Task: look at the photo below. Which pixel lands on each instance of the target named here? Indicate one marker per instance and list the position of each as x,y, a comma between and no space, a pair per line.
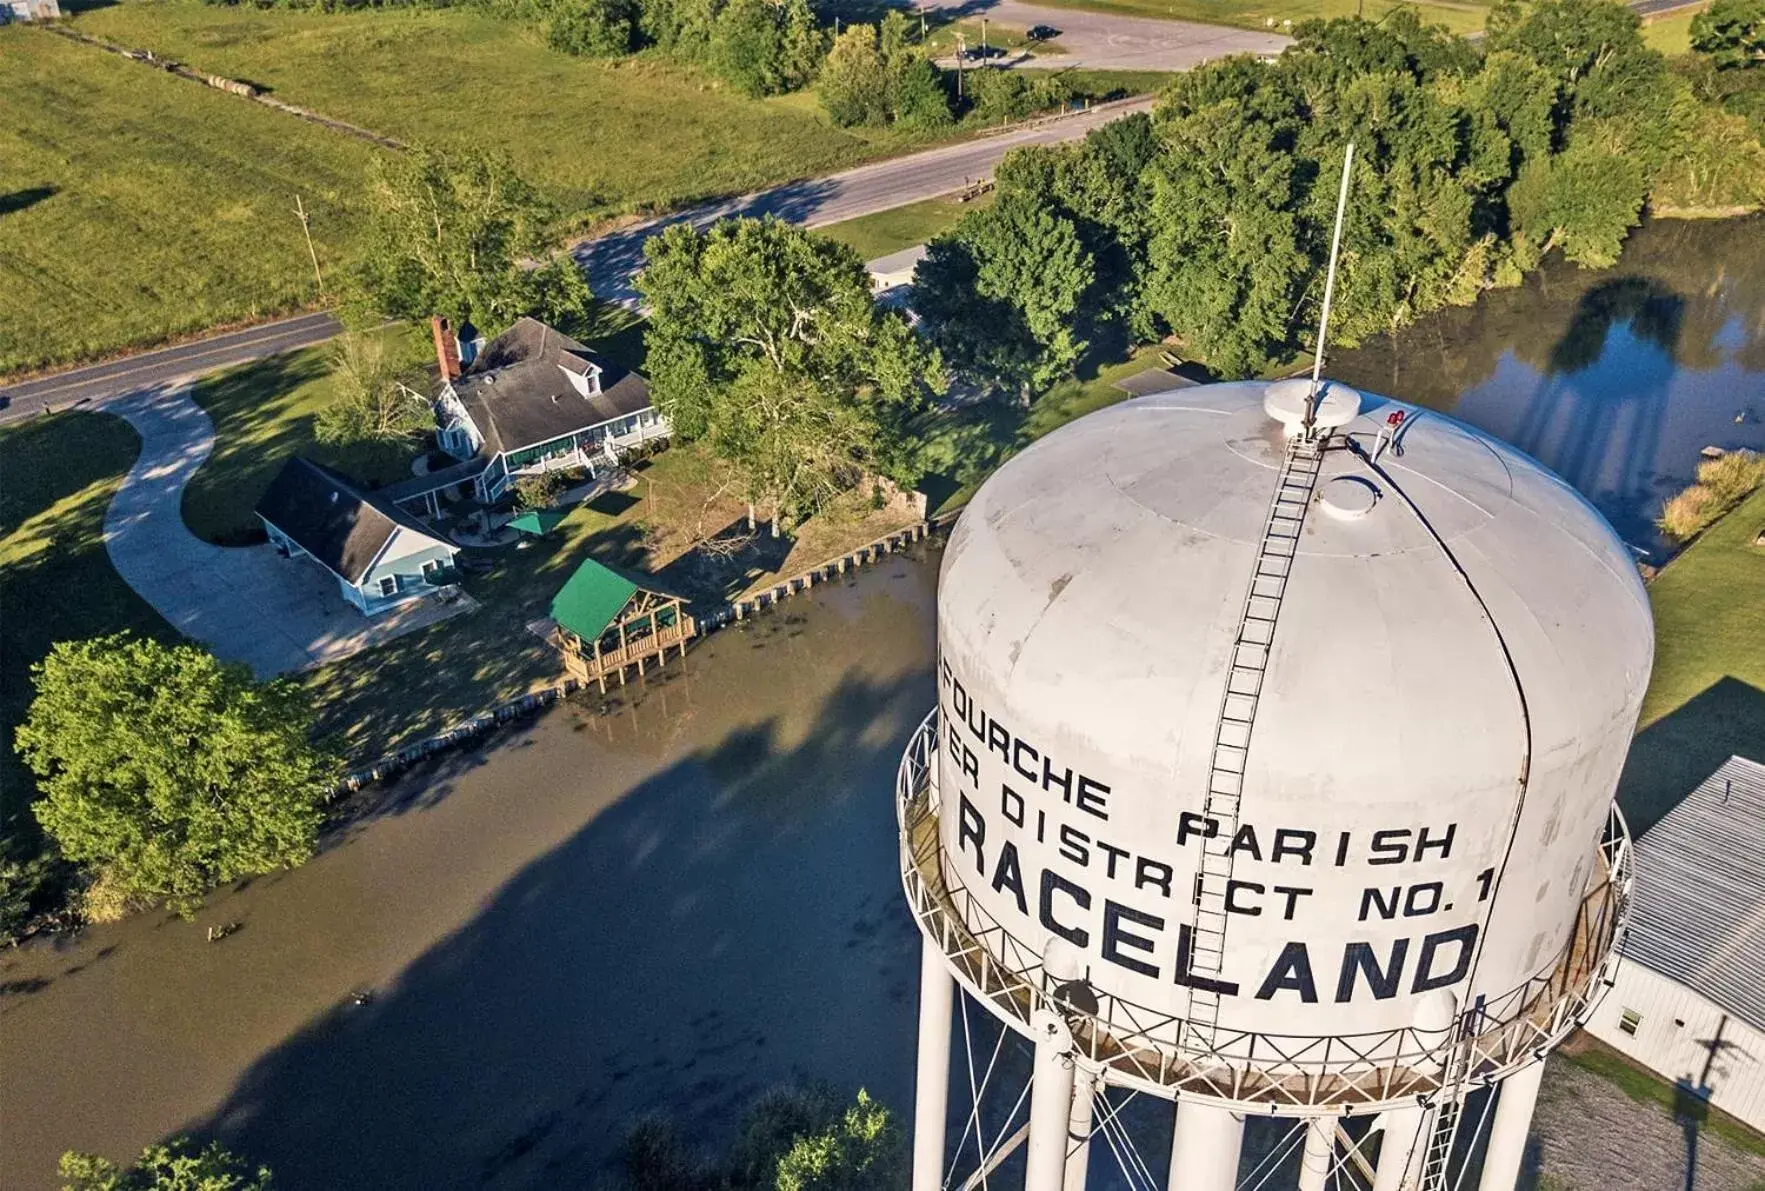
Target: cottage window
1628,1020
432,573
388,585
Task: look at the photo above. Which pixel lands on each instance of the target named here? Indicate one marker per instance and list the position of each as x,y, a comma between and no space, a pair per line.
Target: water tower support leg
1400,1150
1078,1131
1205,1148
1319,1155
1051,1096
937,994
1508,1129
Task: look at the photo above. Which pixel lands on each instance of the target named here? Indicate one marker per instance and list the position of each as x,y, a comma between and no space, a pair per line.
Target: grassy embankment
56,582
140,206
1670,33
890,231
1706,699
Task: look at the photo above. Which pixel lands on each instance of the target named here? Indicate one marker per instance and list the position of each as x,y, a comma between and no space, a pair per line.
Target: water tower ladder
1444,1127
1231,743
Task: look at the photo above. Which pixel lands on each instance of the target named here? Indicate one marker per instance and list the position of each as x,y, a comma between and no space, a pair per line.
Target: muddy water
674,905
1616,378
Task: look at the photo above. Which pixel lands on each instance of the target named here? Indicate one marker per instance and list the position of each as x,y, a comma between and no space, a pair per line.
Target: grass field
601,138
1706,699
903,227
56,582
1670,33
135,205
263,413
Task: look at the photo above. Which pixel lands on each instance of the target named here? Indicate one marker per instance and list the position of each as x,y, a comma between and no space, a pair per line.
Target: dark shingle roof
519,396
331,519
1699,913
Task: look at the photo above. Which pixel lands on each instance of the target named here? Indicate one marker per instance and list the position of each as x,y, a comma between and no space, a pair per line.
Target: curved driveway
247,604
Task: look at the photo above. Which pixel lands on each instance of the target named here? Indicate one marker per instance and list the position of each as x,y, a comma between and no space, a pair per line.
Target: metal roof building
1689,996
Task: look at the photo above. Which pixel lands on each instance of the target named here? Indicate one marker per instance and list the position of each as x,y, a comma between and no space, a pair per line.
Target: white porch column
1078,1131
1319,1154
1051,1096
1401,1150
1204,1148
1508,1129
931,1102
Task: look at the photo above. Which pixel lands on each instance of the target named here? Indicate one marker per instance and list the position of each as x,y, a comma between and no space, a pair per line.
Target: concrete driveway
247,604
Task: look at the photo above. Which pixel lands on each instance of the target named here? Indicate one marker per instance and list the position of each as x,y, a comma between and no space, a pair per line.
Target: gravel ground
1587,1135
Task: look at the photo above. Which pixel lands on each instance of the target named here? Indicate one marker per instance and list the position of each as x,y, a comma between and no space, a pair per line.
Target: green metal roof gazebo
607,621
539,522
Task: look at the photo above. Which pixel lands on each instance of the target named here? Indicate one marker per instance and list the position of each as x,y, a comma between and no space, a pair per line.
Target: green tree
374,399
458,235
920,99
1003,291
177,1166
764,342
165,771
860,1151
1585,200
766,47
593,28
854,85
1731,33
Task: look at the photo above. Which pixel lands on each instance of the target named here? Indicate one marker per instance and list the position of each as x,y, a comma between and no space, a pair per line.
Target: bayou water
679,899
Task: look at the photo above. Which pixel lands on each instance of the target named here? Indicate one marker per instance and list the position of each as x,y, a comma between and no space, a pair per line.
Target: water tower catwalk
1271,774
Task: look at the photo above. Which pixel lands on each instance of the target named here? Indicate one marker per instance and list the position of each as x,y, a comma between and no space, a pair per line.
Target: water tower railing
1160,1052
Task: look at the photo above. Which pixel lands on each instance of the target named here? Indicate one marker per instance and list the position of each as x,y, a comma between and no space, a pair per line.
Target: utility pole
306,228
961,48
983,37
922,26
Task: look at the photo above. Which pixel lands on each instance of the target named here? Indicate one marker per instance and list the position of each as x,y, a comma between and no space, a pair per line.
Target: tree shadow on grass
12,202
1674,754
731,922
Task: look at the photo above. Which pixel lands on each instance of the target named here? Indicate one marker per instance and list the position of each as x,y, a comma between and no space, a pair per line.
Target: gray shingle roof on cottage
337,523
1699,913
519,396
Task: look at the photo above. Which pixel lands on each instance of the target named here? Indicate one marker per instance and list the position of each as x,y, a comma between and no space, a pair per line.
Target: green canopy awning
591,599
539,522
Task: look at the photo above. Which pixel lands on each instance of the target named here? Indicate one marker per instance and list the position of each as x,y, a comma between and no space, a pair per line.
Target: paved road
163,366
611,260
1106,41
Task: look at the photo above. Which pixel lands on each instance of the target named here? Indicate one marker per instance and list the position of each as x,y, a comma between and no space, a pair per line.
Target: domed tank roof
1445,623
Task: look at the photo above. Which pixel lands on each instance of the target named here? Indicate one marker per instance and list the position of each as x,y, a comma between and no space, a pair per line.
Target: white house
29,10
534,400
1689,996
379,554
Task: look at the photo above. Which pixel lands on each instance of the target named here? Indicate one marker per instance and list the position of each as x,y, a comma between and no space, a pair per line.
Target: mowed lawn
263,413
136,206
1670,32
57,475
1706,699
601,138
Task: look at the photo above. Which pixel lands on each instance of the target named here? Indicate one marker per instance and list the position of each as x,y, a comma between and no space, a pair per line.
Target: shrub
1722,483
593,28
539,491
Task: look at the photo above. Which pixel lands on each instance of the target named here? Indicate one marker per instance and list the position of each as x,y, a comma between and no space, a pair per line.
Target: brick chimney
447,347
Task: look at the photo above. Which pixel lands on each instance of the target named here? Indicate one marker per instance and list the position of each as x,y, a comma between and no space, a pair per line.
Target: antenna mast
1317,366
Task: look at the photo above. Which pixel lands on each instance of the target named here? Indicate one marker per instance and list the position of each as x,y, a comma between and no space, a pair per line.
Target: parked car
980,53
1043,33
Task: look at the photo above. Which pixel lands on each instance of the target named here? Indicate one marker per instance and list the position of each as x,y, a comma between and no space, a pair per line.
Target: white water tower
1272,774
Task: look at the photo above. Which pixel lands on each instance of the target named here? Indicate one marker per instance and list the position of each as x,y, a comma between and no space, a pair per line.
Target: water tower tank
1284,775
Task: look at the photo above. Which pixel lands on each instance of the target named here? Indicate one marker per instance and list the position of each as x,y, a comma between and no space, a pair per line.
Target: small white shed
1689,997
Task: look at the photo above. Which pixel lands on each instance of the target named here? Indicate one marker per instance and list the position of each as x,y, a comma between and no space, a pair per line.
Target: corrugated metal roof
1699,914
